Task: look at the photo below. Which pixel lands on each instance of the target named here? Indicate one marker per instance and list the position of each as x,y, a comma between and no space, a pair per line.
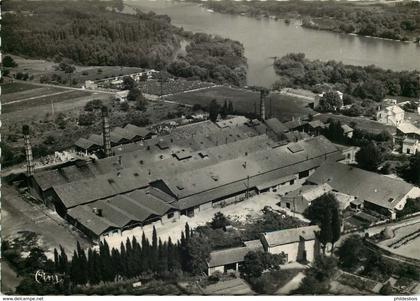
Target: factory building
194,168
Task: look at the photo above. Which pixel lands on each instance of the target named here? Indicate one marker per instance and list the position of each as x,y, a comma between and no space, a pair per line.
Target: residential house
381,194
227,260
410,137
298,244
300,199
390,115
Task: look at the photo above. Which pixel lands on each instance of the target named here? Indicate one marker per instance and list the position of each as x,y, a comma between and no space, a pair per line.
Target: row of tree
367,82
133,259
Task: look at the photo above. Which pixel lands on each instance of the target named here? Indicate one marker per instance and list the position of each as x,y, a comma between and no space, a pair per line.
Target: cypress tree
187,232
154,252
64,264
145,254
230,107
97,273
56,260
90,266
106,264
82,263
75,270
123,257
162,257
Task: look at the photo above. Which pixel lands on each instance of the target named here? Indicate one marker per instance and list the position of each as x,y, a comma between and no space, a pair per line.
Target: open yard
240,211
284,107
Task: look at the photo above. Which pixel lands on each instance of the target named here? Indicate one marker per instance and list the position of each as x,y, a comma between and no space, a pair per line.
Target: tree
198,254
124,106
219,221
318,277
141,103
68,69
86,119
370,156
411,172
9,62
92,105
255,263
335,131
324,211
411,206
128,83
330,102
252,267
351,252
214,109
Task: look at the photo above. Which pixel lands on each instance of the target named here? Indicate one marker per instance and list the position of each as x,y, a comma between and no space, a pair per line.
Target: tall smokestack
106,132
262,104
30,166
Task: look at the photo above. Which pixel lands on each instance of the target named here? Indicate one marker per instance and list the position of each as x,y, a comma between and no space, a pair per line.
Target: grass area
65,96
37,91
10,88
283,107
269,283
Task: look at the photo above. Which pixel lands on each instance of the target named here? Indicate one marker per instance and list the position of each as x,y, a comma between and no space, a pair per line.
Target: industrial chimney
263,93
106,132
30,166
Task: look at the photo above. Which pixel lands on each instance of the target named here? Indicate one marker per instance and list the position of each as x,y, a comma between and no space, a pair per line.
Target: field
36,101
36,68
245,101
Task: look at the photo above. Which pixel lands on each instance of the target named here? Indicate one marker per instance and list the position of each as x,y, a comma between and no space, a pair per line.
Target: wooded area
95,33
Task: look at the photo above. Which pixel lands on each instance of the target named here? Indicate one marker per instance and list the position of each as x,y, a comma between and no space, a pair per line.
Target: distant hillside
97,33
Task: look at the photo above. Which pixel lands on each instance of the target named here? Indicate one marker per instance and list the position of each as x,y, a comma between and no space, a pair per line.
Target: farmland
283,107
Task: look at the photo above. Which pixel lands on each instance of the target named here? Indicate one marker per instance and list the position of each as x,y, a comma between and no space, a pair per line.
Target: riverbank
396,22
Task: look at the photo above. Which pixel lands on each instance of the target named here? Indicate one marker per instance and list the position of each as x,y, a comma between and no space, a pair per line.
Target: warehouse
193,168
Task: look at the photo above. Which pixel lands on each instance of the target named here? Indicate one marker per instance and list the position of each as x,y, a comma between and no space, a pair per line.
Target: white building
391,115
299,244
410,146
91,85
121,96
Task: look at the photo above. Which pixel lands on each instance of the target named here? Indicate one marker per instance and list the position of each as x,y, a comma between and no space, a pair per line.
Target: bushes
412,206
86,119
92,105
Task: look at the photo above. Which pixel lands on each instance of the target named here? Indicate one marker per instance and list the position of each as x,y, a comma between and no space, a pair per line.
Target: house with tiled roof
377,192
297,244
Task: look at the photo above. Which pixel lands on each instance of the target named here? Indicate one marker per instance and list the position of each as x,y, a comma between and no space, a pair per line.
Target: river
266,38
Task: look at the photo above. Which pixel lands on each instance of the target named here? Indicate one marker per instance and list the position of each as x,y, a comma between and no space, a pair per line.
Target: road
21,215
